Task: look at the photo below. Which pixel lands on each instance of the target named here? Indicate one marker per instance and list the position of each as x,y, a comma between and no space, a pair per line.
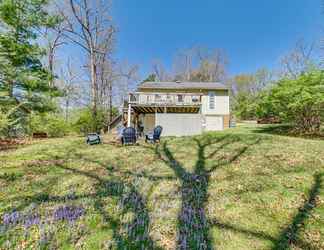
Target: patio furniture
155,136
129,136
93,138
40,135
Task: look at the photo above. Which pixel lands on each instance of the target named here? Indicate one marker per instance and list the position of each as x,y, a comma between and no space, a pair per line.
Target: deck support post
129,115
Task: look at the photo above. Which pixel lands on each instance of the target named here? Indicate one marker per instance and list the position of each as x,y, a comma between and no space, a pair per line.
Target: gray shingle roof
182,85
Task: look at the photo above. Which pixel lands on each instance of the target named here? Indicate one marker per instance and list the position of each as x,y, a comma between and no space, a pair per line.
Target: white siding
214,123
221,104
179,124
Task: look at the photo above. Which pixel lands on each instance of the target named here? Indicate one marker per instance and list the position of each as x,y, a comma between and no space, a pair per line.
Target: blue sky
253,33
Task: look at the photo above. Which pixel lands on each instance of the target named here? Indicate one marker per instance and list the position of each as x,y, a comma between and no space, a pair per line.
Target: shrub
297,101
244,106
52,124
86,123
9,124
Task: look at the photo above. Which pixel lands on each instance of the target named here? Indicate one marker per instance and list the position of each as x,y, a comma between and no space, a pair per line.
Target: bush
52,124
244,106
9,123
299,102
86,123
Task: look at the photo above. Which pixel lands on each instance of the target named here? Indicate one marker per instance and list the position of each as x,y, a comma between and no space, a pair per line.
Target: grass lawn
237,189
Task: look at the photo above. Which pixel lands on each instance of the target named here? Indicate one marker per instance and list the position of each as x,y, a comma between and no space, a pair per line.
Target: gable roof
183,85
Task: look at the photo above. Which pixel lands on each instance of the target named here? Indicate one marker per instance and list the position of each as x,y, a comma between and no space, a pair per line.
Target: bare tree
159,71
54,39
299,60
212,63
200,64
183,64
70,85
90,26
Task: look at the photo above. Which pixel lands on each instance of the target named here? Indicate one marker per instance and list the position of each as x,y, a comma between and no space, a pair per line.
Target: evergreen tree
23,79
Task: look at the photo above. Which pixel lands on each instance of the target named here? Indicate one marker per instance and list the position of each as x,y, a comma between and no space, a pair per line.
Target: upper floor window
211,100
180,98
158,98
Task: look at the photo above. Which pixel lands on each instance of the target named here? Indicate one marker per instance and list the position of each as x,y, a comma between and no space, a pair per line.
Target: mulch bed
8,144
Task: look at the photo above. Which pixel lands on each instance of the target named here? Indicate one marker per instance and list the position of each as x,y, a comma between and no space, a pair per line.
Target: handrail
165,98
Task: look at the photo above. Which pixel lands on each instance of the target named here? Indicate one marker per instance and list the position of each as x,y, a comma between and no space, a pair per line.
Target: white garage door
214,123
179,124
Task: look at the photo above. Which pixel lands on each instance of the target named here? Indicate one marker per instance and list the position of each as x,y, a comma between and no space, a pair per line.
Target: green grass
237,189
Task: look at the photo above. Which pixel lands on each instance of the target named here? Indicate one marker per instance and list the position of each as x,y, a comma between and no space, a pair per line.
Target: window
158,98
211,100
180,98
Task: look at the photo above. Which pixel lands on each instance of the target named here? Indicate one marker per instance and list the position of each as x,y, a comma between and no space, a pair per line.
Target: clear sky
253,33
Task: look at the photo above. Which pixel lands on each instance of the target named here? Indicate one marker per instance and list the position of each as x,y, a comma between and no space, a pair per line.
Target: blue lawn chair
129,136
155,136
93,138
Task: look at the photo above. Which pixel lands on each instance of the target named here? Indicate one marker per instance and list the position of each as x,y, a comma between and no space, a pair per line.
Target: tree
23,78
200,64
54,38
246,89
70,87
297,101
150,78
89,26
299,60
159,71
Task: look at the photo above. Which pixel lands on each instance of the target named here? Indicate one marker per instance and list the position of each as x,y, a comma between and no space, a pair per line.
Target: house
181,108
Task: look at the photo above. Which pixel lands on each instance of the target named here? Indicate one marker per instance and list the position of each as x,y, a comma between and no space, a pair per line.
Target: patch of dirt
9,144
44,163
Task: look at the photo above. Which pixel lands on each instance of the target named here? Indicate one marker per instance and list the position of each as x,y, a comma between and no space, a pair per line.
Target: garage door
179,124
214,123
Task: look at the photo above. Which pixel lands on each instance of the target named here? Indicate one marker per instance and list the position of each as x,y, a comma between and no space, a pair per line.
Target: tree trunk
10,90
51,67
94,87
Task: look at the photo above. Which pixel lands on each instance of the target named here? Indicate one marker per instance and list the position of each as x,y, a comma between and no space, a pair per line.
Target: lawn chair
155,136
129,136
93,139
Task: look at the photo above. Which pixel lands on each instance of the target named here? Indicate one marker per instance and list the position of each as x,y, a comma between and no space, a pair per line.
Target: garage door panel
214,123
179,124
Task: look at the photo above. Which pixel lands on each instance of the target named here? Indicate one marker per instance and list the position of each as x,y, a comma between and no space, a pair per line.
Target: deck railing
164,99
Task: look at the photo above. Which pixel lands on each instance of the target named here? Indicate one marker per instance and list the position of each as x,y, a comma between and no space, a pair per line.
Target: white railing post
129,115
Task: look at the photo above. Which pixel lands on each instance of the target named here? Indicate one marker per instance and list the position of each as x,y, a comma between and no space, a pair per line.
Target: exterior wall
214,123
180,124
221,104
226,120
148,122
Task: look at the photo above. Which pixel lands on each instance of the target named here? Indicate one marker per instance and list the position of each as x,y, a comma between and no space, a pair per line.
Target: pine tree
23,79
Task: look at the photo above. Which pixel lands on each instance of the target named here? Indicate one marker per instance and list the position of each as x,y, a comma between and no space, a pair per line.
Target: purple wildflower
69,213
11,218
32,219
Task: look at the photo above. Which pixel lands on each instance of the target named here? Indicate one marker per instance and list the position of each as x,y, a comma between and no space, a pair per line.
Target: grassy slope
232,190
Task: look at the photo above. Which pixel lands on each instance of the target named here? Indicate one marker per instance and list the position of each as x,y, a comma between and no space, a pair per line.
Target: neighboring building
181,108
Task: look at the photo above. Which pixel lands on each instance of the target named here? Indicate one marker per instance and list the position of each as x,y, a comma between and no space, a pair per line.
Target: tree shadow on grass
127,235
290,235
193,226
284,130
132,235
